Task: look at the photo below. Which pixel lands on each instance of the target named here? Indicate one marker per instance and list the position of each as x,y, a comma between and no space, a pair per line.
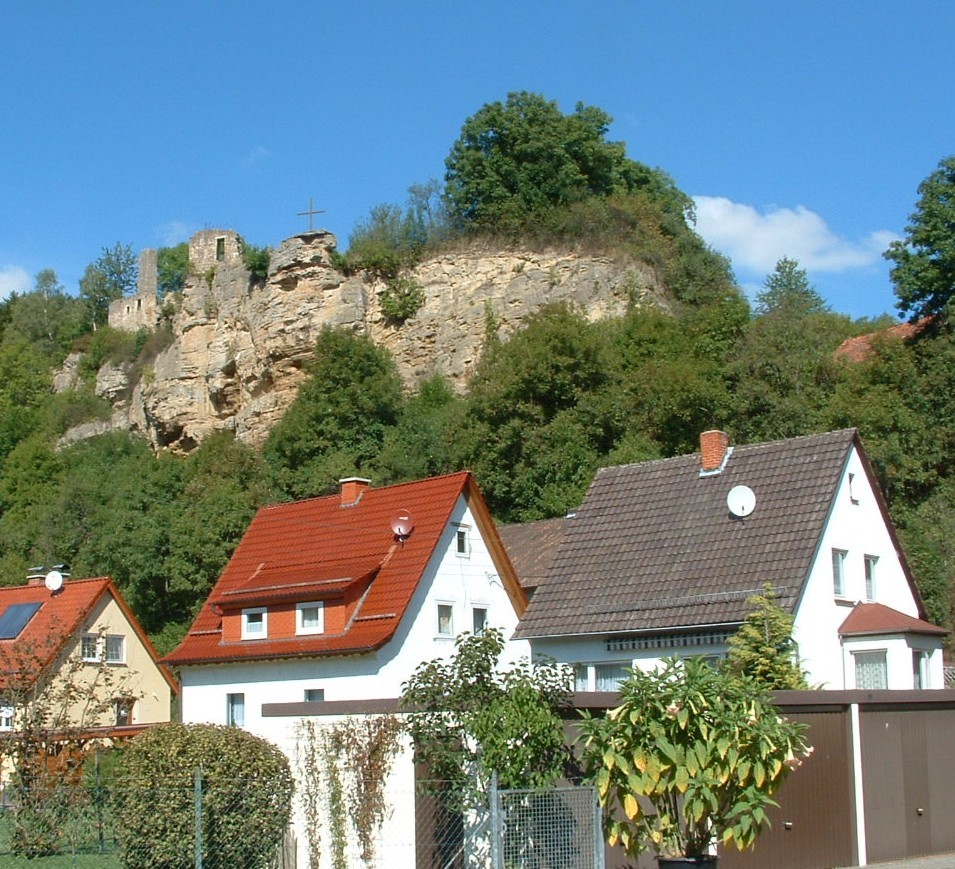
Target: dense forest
544,409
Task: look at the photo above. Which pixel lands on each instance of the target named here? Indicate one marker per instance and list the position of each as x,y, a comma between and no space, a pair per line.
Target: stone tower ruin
212,248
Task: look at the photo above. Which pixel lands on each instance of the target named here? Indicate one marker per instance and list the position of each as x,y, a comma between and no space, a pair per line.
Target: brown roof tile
654,547
876,618
532,547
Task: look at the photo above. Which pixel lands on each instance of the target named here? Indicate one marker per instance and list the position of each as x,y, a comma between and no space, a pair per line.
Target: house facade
340,598
328,606
662,557
76,648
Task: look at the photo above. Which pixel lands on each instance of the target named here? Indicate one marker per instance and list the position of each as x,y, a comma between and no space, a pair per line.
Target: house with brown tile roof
662,556
532,547
339,598
82,632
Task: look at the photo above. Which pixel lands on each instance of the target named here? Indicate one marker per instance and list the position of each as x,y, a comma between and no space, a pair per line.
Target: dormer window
310,618
255,624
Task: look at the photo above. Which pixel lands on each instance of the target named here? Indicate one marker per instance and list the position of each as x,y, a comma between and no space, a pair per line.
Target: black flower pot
707,861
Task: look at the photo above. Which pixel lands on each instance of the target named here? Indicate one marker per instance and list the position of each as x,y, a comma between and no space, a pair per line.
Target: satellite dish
741,501
53,581
402,524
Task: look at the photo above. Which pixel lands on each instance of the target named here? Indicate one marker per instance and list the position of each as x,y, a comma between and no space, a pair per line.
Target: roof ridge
316,498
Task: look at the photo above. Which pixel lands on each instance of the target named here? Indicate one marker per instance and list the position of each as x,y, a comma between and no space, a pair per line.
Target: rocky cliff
239,347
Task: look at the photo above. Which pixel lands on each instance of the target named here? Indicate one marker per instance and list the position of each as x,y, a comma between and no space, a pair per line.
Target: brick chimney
713,447
352,490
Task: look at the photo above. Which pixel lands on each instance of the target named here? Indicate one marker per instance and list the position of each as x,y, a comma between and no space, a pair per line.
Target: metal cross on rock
311,213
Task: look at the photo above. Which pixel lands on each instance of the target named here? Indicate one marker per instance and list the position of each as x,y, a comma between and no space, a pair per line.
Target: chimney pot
352,490
713,447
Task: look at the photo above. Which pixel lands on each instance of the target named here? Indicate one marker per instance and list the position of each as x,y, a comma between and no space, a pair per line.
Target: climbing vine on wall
343,771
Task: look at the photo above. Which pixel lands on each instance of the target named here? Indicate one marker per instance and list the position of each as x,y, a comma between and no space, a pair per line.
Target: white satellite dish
53,581
402,525
741,501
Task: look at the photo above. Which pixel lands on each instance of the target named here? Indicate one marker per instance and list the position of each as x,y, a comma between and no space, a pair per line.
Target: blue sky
802,128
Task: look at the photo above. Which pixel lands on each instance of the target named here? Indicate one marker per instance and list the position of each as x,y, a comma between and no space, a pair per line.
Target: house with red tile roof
339,598
81,631
662,557
326,609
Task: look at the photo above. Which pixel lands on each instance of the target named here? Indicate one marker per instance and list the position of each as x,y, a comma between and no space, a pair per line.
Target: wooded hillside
543,409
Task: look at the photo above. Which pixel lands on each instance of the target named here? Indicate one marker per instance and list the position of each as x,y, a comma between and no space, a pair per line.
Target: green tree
787,291
515,162
120,267
924,270
763,648
536,417
246,797
469,718
337,423
172,268
421,443
96,294
47,317
113,275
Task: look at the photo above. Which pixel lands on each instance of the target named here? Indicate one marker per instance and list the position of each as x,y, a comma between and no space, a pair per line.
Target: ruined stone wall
212,248
141,311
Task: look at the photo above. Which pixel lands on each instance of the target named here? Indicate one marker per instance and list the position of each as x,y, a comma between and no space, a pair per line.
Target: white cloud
256,155
756,241
173,233
14,279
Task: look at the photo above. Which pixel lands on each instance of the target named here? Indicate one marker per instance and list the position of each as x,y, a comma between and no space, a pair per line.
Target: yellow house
73,658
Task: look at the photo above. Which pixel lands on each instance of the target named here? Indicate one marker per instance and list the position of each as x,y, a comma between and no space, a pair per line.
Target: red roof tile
317,549
876,618
59,618
859,348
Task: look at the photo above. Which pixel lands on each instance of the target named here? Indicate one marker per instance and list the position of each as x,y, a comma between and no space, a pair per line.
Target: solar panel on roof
15,618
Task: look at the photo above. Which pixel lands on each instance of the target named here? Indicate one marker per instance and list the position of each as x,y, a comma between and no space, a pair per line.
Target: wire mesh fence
88,823
57,822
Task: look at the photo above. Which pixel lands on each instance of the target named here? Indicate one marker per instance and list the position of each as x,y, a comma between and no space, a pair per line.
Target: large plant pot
707,861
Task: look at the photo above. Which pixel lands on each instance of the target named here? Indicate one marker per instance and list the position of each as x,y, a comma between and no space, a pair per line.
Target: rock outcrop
239,347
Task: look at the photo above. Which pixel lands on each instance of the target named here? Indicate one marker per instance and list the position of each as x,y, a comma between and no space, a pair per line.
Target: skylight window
15,618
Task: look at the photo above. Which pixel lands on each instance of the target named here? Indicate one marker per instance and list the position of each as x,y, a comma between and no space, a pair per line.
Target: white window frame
235,709
300,626
6,717
870,562
839,571
589,675
853,495
441,609
86,641
921,669
110,643
485,621
871,656
254,611
462,541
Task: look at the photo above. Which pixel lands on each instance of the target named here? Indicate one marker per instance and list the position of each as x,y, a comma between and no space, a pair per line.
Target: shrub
256,260
402,298
246,797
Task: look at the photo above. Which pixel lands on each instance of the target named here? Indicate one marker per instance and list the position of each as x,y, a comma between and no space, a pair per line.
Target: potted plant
690,759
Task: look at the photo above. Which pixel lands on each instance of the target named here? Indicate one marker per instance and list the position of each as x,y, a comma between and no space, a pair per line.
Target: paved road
937,861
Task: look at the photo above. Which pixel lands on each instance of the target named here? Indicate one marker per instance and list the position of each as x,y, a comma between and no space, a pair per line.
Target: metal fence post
495,801
197,796
599,850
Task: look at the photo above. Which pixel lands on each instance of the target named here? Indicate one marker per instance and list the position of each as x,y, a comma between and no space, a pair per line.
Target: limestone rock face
239,347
